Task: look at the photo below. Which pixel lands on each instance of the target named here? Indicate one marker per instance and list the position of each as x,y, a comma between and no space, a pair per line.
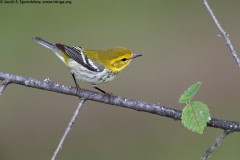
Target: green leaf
195,116
189,93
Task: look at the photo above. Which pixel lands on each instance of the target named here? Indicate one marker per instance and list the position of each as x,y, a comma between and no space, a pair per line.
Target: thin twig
138,105
3,85
223,33
68,129
215,145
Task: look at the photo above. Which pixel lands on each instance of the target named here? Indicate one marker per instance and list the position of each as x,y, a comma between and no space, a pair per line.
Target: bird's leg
95,86
77,86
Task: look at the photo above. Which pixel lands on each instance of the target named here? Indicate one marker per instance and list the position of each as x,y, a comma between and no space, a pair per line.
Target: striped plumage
92,66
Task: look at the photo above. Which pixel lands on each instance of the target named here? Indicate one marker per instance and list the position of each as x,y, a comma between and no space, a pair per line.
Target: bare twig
215,145
3,85
138,105
68,129
223,33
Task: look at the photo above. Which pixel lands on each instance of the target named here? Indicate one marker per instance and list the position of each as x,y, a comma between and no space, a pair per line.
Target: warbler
92,66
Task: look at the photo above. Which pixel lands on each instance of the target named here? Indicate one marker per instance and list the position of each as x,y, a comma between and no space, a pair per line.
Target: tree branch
138,105
223,33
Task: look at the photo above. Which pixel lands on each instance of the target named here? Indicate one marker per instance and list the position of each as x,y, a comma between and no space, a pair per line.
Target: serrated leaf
189,93
195,116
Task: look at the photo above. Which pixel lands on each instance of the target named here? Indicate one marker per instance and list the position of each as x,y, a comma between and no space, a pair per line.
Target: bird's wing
76,53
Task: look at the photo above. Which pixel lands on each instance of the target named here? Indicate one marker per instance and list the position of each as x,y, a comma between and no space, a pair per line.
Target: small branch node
47,79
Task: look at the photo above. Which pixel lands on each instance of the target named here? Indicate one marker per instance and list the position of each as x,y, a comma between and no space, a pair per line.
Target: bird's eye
124,59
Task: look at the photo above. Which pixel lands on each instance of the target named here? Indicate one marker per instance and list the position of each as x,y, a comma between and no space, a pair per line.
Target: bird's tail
51,46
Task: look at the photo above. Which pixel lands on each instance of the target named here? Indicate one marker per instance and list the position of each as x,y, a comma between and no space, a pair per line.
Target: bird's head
117,59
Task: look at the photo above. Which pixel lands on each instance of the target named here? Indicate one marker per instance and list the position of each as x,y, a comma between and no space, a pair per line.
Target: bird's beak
136,55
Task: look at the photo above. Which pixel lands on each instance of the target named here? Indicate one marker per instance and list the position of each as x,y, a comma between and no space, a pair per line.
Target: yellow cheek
117,66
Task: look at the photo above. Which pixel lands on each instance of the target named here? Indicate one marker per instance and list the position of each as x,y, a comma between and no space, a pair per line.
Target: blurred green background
180,46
